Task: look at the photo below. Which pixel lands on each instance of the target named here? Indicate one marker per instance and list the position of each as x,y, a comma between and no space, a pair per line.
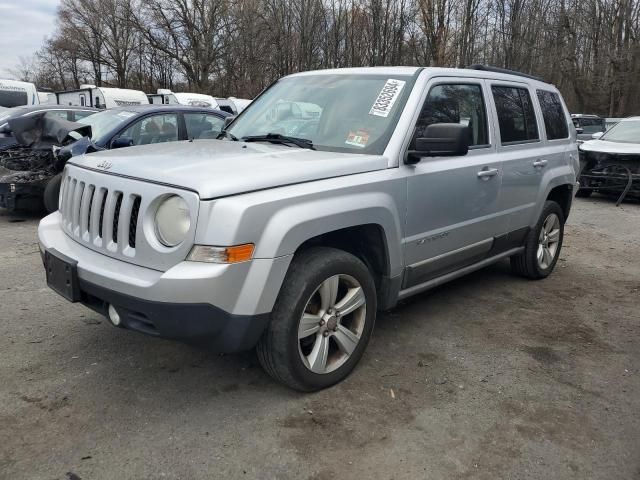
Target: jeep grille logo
104,165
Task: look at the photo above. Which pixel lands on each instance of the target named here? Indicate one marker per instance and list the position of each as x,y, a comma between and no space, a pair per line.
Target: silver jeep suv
335,194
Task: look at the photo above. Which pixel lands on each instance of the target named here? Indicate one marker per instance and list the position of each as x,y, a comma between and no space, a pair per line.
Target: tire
289,356
52,193
583,193
529,264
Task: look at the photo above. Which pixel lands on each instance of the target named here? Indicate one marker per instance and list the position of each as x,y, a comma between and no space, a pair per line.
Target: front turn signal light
209,254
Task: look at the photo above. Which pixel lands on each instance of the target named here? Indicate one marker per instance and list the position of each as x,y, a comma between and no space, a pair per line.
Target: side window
202,125
153,129
555,122
516,116
58,113
452,103
80,114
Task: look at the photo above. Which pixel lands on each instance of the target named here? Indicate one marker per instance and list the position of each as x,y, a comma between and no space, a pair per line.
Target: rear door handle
487,173
540,163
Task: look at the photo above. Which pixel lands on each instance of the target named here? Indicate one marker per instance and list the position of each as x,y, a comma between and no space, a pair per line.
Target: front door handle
487,173
540,163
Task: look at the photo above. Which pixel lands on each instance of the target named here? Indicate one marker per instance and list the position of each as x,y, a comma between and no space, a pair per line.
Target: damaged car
29,162
73,114
109,129
610,163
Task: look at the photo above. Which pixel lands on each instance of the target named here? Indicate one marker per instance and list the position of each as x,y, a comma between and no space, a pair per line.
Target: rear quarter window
516,117
555,121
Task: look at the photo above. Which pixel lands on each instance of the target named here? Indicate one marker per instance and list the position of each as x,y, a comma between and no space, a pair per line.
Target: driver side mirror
441,140
122,142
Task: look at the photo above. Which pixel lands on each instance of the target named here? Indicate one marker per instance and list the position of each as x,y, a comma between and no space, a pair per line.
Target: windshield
341,113
103,123
624,132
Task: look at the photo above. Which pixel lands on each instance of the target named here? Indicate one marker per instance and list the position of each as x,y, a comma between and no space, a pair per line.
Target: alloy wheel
332,324
548,241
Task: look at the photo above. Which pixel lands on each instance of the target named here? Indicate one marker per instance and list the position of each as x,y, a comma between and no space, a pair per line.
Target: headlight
173,221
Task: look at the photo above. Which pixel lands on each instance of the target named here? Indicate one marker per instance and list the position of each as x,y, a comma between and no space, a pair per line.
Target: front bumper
225,307
196,323
11,194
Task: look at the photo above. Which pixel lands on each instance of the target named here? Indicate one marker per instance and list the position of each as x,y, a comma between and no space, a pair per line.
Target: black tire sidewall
310,271
52,193
532,245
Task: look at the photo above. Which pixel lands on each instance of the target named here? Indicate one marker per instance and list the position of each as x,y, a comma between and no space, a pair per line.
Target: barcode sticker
387,97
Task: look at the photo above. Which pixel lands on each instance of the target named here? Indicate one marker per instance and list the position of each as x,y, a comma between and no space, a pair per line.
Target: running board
407,292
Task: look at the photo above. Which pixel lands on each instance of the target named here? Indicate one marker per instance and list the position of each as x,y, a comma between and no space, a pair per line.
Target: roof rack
488,68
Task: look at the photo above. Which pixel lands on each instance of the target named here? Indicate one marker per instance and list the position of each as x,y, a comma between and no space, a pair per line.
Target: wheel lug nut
326,333
321,322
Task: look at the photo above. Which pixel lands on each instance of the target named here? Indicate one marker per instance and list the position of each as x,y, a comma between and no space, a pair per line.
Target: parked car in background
587,125
17,94
72,114
240,103
369,186
111,129
101,97
610,163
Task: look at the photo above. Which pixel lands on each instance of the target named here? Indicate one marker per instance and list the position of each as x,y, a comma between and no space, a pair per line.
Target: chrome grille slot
133,223
103,203
116,218
85,206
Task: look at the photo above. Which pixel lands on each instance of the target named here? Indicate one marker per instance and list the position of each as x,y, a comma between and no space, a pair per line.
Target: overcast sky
23,25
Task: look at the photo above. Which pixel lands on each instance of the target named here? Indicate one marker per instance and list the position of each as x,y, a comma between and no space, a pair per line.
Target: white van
16,94
102,97
167,97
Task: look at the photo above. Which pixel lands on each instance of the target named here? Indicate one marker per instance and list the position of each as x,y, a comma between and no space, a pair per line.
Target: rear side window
456,103
516,116
555,122
78,114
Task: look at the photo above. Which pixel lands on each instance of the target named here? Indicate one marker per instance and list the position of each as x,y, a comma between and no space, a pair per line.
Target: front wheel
322,320
543,244
52,193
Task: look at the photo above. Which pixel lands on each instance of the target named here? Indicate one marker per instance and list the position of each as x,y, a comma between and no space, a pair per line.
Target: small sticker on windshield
359,138
387,97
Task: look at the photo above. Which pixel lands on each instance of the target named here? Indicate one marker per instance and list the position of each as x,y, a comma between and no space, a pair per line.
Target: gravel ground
488,377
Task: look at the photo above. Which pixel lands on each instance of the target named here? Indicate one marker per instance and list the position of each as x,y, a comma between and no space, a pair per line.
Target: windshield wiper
278,138
230,135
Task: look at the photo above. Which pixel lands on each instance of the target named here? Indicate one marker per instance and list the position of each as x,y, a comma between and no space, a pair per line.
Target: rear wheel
543,244
322,320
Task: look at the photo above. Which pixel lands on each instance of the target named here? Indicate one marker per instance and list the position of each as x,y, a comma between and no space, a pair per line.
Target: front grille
105,218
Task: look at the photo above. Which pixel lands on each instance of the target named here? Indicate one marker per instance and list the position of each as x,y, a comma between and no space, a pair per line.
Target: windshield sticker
359,138
126,114
387,97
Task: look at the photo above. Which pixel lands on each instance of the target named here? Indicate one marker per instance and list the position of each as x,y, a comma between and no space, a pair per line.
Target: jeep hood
604,146
217,168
